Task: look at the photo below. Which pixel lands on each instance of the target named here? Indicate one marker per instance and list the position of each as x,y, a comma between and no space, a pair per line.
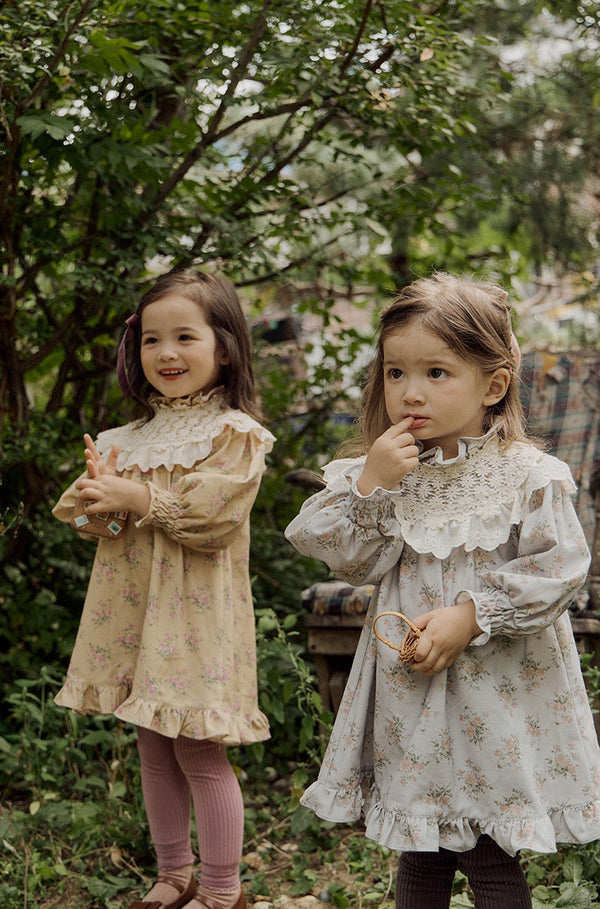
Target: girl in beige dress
167,638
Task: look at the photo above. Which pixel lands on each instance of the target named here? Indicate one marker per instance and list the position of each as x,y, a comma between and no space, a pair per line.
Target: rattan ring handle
406,650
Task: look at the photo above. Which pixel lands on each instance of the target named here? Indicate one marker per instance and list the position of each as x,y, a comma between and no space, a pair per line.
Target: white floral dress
167,635
502,742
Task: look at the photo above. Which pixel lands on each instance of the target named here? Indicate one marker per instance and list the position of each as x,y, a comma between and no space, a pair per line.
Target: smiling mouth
171,373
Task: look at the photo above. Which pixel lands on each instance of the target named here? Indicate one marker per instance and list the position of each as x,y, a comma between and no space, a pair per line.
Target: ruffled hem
402,832
201,723
340,806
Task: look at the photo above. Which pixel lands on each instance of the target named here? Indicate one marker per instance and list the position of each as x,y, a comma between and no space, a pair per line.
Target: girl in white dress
482,743
166,639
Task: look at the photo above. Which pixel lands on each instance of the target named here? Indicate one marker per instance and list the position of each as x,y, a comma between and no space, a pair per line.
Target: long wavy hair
219,302
474,320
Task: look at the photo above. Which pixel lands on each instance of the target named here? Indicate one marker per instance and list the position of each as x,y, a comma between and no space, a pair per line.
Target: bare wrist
144,499
364,485
471,611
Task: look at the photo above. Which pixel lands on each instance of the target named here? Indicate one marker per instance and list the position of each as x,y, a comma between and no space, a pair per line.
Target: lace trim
472,501
181,432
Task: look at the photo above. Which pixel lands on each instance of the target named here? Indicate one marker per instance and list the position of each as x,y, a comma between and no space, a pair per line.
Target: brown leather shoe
208,901
186,894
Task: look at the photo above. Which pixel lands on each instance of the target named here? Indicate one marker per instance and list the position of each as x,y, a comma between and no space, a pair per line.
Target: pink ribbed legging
177,773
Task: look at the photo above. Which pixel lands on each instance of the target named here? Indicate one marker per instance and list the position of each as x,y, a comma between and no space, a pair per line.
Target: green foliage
314,147
73,792
322,150
72,823
569,879
45,565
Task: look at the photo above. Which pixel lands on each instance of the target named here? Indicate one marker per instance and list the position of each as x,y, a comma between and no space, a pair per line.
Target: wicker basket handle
406,650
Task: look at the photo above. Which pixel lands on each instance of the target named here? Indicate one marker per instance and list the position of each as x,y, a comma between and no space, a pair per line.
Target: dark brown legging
497,880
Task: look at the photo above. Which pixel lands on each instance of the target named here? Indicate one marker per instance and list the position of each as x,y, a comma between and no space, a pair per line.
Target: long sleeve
64,507
207,505
358,537
530,591
167,634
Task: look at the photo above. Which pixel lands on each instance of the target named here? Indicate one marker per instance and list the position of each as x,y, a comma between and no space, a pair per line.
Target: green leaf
118,790
35,125
573,868
573,896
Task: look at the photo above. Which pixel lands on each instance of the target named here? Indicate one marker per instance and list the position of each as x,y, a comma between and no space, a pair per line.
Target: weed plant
73,832
71,802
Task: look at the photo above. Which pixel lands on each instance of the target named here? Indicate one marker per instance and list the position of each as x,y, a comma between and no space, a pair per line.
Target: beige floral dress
503,741
167,635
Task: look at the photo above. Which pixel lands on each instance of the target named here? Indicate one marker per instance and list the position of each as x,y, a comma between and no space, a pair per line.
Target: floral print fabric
503,741
167,636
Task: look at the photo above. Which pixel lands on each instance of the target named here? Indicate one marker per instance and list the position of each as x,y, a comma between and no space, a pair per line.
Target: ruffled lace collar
472,500
161,402
467,447
181,432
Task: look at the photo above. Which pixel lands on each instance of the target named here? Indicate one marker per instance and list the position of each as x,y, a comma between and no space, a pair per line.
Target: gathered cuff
163,509
404,832
215,724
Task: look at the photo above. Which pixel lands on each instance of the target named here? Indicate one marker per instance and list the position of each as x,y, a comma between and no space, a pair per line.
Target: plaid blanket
337,598
560,393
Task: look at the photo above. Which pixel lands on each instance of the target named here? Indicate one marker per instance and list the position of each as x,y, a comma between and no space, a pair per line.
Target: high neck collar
467,447
162,402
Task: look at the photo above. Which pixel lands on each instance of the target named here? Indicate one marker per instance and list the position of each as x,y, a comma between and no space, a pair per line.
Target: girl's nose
166,352
413,391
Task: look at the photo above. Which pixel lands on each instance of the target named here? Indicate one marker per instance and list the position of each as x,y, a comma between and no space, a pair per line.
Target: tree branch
210,136
49,69
351,54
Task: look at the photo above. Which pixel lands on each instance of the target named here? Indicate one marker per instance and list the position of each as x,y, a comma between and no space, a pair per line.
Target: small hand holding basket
406,650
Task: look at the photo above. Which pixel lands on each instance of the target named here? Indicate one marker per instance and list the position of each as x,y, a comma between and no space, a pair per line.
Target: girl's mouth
418,422
171,373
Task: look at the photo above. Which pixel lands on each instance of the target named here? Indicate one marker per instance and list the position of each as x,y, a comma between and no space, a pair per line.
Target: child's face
445,396
179,352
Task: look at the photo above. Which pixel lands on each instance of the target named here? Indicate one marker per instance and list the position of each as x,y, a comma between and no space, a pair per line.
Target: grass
73,832
94,853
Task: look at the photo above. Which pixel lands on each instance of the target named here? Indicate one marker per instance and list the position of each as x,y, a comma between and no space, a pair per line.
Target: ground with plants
73,833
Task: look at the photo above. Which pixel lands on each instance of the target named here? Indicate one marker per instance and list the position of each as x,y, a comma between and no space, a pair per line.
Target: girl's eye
185,338
395,373
148,340
437,372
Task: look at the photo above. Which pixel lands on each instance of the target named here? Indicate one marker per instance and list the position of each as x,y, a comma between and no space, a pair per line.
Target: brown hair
217,298
473,318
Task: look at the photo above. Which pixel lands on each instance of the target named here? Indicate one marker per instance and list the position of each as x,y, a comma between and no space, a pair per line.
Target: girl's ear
498,386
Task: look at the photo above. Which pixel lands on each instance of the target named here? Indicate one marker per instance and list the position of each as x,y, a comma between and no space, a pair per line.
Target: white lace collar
467,446
472,500
181,432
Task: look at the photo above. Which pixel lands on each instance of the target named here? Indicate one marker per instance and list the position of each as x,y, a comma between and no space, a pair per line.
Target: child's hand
390,458
94,461
107,492
105,489
446,633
